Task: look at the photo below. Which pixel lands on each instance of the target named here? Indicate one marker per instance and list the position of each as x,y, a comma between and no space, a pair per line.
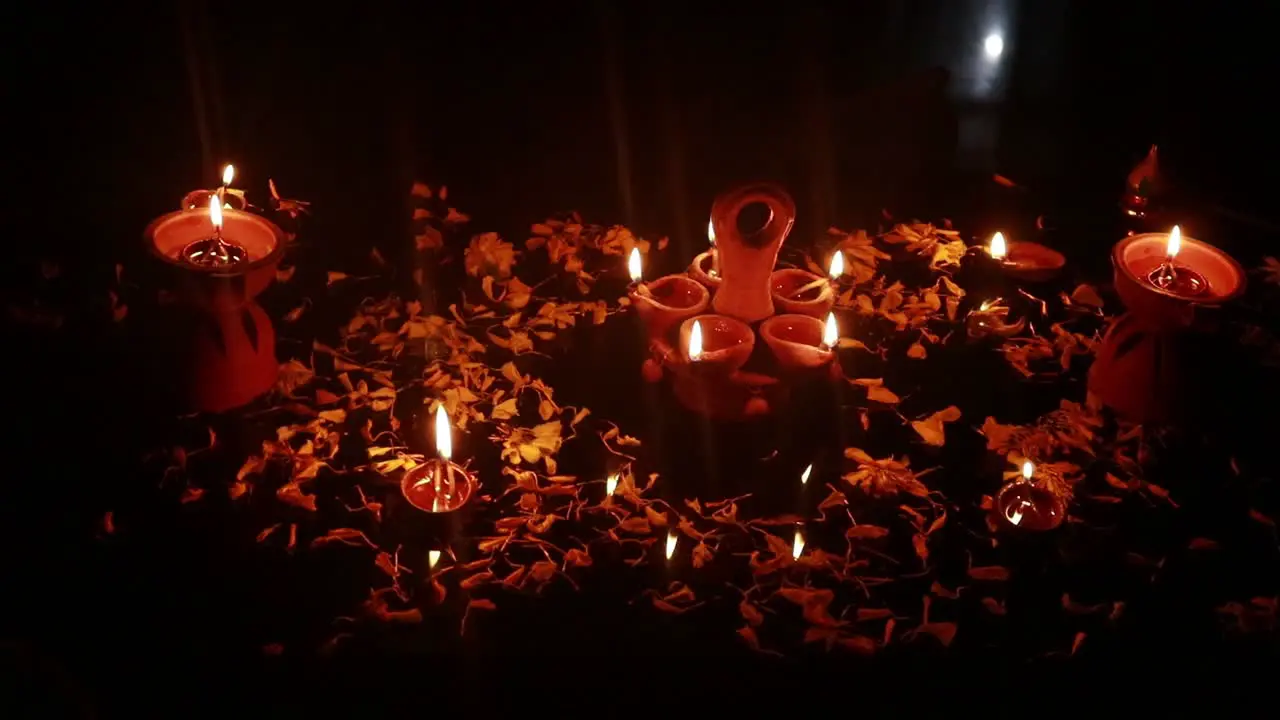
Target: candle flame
215,212
804,476
672,539
433,557
1027,470
635,266
836,268
711,232
611,484
1175,241
695,341
444,441
831,332
797,545
998,247
228,174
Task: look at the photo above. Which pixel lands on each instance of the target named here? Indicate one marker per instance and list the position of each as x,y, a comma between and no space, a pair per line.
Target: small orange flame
804,476
1027,469
986,305
672,539
444,439
433,557
836,269
228,174
635,265
1175,241
797,545
711,232
215,212
695,341
998,247
611,484
830,332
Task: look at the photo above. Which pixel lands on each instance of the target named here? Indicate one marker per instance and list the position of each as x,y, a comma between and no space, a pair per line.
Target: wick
642,289
795,294
715,263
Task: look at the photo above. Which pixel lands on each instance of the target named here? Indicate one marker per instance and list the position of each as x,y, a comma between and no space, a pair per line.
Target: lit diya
800,292
439,486
1027,261
1027,505
667,301
216,251
705,268
227,197
801,342
990,319
716,344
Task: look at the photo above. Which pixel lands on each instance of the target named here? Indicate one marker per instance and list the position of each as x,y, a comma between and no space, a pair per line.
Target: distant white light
993,46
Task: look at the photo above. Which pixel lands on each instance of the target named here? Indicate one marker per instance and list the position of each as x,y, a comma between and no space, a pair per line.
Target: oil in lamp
1026,505
1154,364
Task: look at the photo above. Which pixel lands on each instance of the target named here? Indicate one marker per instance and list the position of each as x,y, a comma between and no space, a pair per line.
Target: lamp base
737,397
1154,376
231,358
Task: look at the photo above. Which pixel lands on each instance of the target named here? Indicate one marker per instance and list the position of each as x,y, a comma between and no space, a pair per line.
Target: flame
695,341
215,212
831,332
1175,241
998,248
672,539
986,305
433,556
611,484
228,174
804,476
1027,469
836,268
635,266
444,441
797,545
711,232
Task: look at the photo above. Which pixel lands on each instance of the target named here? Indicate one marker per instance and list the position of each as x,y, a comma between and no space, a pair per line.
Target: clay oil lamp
746,258
705,268
801,342
440,486
1028,506
227,197
991,319
799,292
1152,365
716,345
666,302
1027,261
220,260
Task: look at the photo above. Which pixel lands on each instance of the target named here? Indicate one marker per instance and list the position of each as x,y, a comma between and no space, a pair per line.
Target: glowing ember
837,265
797,545
830,332
1175,242
672,539
610,484
998,249
433,556
228,174
215,213
804,476
695,341
635,265
1027,470
444,443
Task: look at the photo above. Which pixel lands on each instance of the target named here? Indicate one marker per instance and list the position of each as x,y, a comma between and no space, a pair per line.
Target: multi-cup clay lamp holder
229,340
735,377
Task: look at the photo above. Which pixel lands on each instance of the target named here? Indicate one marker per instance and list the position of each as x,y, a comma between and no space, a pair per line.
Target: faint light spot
993,46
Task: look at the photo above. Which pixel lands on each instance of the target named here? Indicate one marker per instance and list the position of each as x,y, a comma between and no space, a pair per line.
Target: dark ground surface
639,116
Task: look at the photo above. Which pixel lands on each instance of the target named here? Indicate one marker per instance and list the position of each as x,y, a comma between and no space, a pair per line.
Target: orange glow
797,545
1014,515
986,305
228,174
610,484
711,232
1175,241
804,476
672,540
635,265
695,341
836,269
1027,470
215,212
998,247
444,441
433,557
830,332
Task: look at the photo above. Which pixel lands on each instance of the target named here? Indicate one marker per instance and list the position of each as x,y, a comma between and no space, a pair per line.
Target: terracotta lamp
801,292
746,260
707,362
440,486
667,302
800,342
1028,261
1152,365
1026,505
220,259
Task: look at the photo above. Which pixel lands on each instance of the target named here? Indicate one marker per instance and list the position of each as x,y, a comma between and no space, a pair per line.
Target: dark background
630,112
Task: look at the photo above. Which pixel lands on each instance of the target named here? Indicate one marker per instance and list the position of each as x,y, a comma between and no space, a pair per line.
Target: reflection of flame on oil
1175,242
804,476
635,265
830,332
672,539
444,443
836,268
998,248
695,341
797,545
